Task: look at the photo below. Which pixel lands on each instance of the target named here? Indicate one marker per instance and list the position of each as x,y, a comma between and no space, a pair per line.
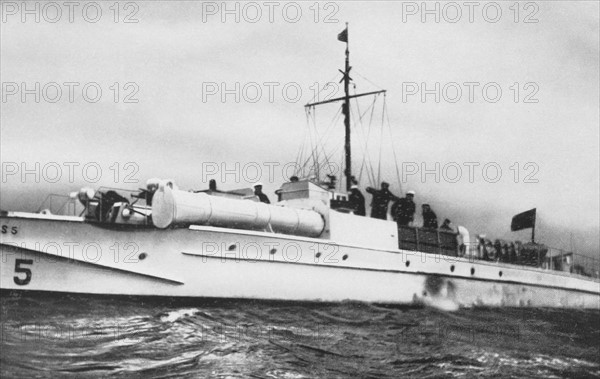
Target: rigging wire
387,115
362,130
323,140
318,144
314,146
300,155
374,183
309,136
331,127
319,141
376,85
365,149
380,147
316,149
316,96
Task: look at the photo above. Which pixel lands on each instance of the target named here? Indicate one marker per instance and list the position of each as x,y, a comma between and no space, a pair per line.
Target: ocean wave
87,337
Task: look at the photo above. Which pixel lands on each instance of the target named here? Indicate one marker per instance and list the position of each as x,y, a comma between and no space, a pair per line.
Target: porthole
500,273
345,257
318,255
472,270
273,251
407,263
142,256
231,247
452,268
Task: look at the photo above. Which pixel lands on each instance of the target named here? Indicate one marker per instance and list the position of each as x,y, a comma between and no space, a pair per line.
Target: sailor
429,217
278,192
405,209
148,193
107,200
446,225
357,200
258,192
381,198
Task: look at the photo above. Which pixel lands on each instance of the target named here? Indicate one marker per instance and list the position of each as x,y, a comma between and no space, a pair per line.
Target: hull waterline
73,256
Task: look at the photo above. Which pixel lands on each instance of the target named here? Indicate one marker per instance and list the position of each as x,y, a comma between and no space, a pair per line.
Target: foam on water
281,340
442,304
173,316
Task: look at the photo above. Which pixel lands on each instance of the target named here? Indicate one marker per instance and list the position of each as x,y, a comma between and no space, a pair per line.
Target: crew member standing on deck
381,198
405,209
446,225
258,192
429,217
357,200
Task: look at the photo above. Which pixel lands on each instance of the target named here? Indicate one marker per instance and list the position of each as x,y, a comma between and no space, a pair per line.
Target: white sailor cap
354,186
257,184
411,193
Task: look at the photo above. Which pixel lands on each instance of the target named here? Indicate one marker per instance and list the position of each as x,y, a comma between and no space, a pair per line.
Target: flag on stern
343,36
523,220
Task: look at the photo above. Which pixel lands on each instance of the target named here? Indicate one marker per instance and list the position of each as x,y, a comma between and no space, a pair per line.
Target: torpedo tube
173,207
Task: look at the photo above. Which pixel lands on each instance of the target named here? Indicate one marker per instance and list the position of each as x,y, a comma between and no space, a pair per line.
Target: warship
162,241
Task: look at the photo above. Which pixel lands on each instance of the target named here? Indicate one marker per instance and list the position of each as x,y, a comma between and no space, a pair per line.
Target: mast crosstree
343,36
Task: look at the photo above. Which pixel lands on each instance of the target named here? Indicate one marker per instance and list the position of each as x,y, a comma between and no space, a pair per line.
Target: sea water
77,336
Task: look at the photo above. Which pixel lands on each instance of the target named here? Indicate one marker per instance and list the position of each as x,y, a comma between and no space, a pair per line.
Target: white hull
69,255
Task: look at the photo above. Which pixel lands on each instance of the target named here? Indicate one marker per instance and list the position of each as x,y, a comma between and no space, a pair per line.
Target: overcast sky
177,51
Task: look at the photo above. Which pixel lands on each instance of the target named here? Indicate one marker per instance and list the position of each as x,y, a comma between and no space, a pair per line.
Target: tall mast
346,112
343,36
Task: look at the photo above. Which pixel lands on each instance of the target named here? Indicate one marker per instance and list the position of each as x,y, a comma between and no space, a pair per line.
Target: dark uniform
357,200
429,218
446,225
261,196
381,198
405,210
107,200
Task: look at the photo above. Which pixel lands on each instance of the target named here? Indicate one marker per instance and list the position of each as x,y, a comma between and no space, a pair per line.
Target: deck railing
561,260
60,204
70,205
435,241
